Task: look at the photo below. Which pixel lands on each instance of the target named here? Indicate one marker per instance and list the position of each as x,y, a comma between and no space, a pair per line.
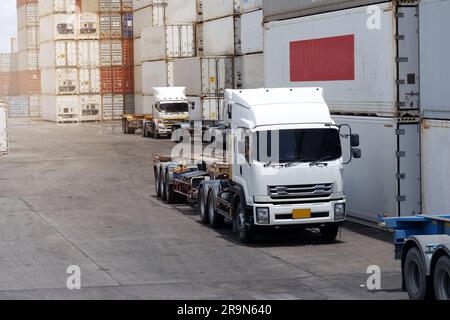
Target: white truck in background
3,129
169,107
283,165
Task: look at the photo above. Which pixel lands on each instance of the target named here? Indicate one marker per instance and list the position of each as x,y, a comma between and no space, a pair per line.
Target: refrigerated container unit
90,107
336,51
61,109
387,181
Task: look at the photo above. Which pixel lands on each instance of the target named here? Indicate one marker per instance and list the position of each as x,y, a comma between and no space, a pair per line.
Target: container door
408,58
408,175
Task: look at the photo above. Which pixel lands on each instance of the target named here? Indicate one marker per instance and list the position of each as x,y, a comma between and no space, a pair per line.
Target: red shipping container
4,84
127,52
325,59
117,80
29,82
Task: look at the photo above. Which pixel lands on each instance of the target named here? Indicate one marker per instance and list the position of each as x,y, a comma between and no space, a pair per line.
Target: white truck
283,165
169,107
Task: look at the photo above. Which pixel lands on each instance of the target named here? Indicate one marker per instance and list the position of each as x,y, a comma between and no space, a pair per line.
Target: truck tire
244,233
170,195
216,220
162,183
204,218
329,233
441,278
157,183
414,275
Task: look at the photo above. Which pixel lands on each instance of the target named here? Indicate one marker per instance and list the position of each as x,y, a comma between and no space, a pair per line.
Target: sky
8,24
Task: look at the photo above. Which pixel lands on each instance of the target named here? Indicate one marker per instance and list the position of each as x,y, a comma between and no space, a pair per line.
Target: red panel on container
117,80
325,59
29,82
128,52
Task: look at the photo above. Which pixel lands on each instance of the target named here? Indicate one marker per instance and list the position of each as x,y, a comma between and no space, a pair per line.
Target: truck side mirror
354,140
356,153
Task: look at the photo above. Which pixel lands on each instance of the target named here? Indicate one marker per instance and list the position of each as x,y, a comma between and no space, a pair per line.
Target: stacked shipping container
372,83
27,103
116,58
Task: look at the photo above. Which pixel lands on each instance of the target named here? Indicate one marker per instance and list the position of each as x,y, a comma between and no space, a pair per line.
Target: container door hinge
400,37
400,154
400,132
401,59
399,82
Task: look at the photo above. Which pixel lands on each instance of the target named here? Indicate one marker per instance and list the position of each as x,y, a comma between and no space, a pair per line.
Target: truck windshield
174,107
298,145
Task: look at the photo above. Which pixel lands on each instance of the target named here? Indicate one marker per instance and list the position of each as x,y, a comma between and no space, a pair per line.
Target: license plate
301,214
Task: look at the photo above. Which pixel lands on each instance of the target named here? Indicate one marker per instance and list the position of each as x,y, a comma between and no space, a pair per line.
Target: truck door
408,173
408,100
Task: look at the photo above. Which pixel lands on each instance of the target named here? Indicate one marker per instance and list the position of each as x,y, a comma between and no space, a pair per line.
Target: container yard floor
83,195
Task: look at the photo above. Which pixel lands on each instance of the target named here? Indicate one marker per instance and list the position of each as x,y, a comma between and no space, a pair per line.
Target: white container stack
70,61
3,129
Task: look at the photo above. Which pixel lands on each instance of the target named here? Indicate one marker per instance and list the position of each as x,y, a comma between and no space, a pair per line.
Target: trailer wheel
204,218
245,234
215,219
441,278
329,233
416,281
157,183
170,195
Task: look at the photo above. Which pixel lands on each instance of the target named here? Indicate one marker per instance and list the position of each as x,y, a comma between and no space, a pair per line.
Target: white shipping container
156,74
356,65
112,107
28,60
181,11
218,46
249,71
59,81
47,7
88,26
213,9
5,62
137,52
60,108
435,167
147,104
434,62
250,5
385,180
28,38
142,18
27,15
35,106
204,76
58,27
251,33
158,43
110,5
3,129
138,79
139,104
90,107
58,54
88,53
18,107
206,108
89,80
110,26
139,4
111,53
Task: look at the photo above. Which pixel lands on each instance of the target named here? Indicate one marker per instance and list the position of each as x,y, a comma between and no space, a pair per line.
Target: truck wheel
245,234
441,278
170,195
416,281
215,219
157,183
204,218
329,233
162,184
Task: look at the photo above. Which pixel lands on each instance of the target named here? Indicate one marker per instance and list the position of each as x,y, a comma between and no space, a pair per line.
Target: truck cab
170,106
287,157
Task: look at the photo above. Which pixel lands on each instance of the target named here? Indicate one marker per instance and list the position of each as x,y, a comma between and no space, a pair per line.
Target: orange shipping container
29,82
4,84
117,80
128,52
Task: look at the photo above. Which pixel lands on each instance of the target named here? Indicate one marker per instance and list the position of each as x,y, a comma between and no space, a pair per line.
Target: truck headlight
262,215
339,211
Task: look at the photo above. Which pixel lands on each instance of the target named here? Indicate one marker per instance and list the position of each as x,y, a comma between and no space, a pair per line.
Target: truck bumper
283,214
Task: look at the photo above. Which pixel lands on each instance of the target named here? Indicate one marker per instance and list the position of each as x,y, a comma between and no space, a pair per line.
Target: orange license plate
301,214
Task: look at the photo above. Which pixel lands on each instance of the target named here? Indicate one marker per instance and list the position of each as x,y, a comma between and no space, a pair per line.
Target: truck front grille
301,191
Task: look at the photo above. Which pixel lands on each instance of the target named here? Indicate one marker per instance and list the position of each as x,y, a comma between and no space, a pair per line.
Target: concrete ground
83,195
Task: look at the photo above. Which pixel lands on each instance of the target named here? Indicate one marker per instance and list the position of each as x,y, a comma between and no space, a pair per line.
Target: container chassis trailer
422,244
